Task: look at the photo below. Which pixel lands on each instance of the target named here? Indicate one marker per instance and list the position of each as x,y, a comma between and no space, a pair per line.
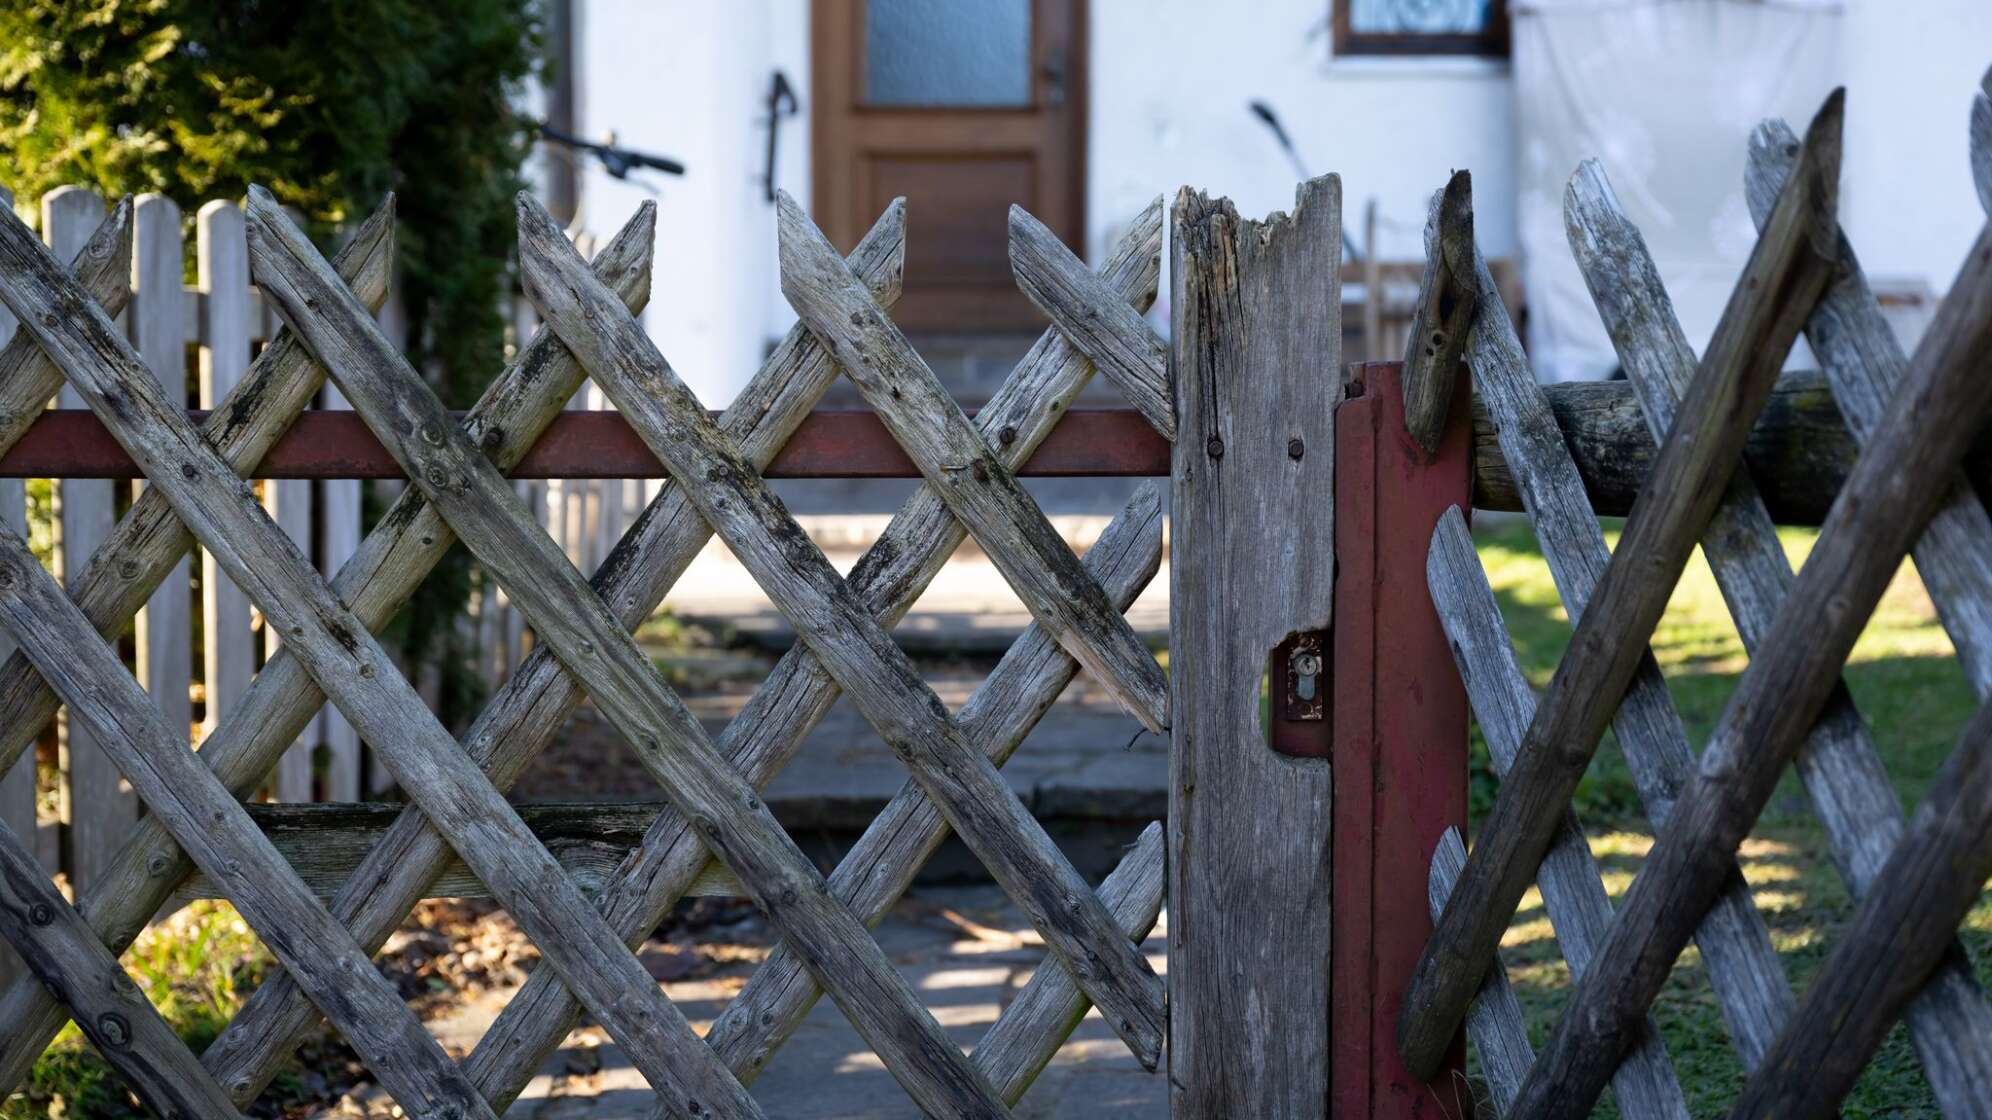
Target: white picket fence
197,649
200,340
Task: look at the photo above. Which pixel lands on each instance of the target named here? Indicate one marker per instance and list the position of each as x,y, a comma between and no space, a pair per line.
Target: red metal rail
73,443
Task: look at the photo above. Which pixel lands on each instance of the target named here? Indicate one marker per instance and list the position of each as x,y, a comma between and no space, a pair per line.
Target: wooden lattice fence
583,648
1301,830
200,340
1912,418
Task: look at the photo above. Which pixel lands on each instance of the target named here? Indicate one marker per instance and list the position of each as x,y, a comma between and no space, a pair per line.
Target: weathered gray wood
17,784
480,506
358,674
1839,765
65,955
27,378
1572,893
1900,935
1445,312
1094,318
841,632
95,805
530,710
1799,452
1787,271
1981,142
1865,365
26,383
799,691
339,538
288,501
165,637
324,842
955,459
1877,516
880,867
1494,1022
145,545
1042,1016
1257,359
222,262
213,827
1734,941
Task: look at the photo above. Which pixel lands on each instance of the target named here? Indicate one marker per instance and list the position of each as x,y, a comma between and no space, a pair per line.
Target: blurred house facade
1084,110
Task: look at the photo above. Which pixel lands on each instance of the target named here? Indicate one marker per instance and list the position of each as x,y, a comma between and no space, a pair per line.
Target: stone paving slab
966,973
968,607
1085,761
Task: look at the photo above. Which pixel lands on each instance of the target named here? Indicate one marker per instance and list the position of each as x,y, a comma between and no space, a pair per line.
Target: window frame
1490,43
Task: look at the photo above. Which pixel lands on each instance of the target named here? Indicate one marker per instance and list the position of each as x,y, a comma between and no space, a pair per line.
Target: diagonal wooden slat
1093,318
799,691
1783,279
1500,1035
63,953
1734,941
1446,307
1865,366
1981,142
27,381
357,673
881,866
1872,523
956,461
1030,1030
482,508
1839,764
27,378
214,827
1886,955
1572,892
532,707
407,543
146,544
874,672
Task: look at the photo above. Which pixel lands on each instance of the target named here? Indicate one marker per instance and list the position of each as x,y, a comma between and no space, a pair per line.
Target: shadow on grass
1906,682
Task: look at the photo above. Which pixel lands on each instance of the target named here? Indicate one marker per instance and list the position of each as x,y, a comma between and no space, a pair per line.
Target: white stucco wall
1171,80
1912,68
1169,85
687,80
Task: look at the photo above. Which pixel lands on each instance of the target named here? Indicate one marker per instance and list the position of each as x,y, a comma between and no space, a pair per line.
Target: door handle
1052,70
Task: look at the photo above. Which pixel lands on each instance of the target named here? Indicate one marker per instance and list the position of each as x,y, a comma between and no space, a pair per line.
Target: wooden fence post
1258,348
1314,766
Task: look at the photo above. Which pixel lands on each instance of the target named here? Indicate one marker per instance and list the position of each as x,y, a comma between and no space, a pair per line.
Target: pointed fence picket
197,644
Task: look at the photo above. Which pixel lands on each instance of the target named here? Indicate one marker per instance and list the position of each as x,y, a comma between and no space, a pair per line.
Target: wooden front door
963,108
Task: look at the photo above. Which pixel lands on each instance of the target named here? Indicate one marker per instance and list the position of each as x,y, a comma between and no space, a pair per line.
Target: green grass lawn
1904,678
